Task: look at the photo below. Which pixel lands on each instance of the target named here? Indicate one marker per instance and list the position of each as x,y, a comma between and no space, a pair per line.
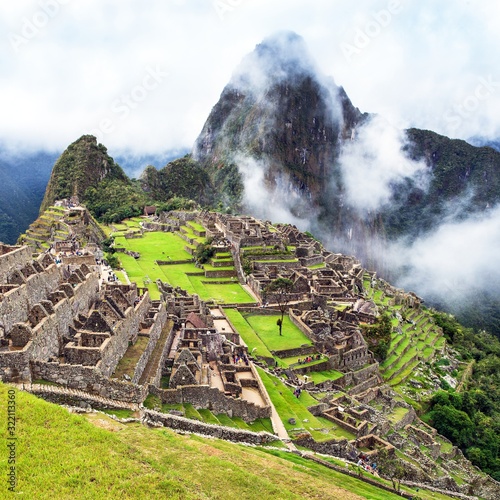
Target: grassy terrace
196,226
317,266
419,341
247,333
267,329
188,231
67,456
205,415
127,364
288,406
323,376
162,246
155,246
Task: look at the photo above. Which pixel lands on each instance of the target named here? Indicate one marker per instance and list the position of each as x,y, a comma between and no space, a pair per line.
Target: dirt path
465,376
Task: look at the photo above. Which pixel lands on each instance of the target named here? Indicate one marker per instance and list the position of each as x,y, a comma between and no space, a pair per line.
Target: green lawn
319,377
317,266
66,456
288,406
267,329
247,333
164,246
286,362
196,226
156,246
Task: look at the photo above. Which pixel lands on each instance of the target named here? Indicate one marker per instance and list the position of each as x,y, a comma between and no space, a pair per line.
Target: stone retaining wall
217,431
297,351
203,396
156,379
88,379
71,397
297,321
341,448
227,273
173,262
262,266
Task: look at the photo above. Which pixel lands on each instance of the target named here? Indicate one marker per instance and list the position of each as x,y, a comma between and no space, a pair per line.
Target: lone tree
280,289
392,468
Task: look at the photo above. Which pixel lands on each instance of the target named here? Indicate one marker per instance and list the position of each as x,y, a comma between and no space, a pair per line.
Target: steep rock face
83,164
278,112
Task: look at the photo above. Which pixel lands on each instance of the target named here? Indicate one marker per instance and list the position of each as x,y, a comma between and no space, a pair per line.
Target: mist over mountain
285,142
23,178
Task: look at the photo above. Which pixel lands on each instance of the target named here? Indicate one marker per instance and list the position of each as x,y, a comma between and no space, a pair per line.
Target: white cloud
374,162
451,262
62,82
277,201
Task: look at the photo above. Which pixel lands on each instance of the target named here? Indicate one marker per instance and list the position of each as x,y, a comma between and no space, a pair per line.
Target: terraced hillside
170,257
61,224
417,345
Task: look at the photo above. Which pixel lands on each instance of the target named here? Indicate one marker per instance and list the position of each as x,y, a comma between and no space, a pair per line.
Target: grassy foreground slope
65,456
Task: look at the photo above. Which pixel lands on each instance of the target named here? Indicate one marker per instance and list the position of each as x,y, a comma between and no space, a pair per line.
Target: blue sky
143,76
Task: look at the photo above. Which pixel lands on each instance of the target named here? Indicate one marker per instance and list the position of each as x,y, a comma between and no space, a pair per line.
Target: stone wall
217,431
422,436
17,302
228,273
78,260
114,351
46,335
318,367
408,419
15,365
363,386
345,425
88,379
296,351
13,258
364,374
159,321
156,379
203,396
72,397
297,321
262,266
342,448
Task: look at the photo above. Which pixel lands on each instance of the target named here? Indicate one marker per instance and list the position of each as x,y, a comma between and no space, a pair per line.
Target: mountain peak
279,57
84,164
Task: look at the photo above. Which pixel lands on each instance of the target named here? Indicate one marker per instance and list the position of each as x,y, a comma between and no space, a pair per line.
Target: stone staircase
64,395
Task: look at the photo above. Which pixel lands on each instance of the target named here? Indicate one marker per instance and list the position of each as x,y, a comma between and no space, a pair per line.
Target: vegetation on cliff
84,164
470,415
183,178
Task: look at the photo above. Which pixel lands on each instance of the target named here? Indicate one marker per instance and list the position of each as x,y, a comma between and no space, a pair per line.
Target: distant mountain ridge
23,179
